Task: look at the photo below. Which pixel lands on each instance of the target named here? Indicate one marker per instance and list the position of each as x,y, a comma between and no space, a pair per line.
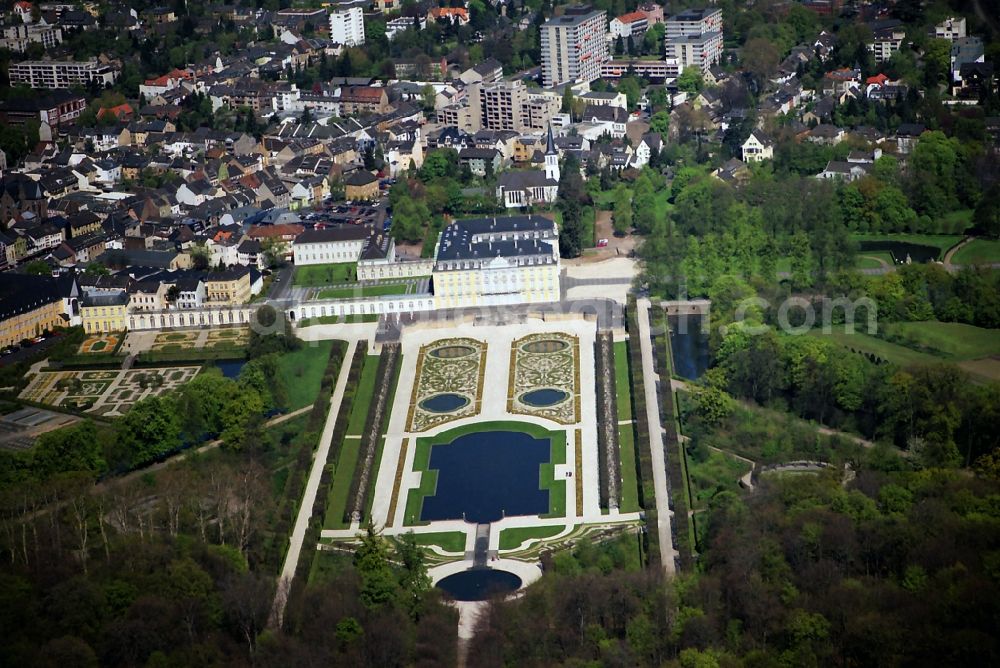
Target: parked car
601,243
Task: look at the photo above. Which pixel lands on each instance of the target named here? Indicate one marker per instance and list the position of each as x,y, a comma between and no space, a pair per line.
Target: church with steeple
523,188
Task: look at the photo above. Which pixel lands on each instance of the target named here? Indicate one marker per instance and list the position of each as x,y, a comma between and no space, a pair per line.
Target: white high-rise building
347,23
574,46
694,38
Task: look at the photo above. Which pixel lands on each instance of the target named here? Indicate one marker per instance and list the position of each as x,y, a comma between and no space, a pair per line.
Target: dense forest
898,567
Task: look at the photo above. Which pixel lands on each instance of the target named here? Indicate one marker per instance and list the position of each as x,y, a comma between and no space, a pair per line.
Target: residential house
228,288
362,185
758,146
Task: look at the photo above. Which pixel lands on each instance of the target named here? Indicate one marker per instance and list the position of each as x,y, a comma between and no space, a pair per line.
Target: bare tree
79,506
244,504
247,600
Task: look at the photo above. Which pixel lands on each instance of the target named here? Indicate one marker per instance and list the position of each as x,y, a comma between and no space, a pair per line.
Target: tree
200,257
660,123
633,91
274,252
987,214
428,97
690,80
623,211
760,58
38,268
371,559
409,220
570,203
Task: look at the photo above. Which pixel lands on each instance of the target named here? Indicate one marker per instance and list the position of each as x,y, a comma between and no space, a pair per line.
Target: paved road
30,353
312,486
667,551
281,284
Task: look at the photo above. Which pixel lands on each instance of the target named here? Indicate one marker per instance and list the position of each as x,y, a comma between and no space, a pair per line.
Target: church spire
550,143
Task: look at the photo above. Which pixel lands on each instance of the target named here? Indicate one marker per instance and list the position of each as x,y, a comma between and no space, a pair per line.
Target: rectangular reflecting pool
487,475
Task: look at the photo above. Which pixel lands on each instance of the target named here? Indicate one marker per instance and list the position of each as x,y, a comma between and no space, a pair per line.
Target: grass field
623,384
980,251
866,259
314,275
449,541
940,241
336,502
953,340
302,371
511,539
956,222
931,342
890,352
338,319
626,432
359,291
365,394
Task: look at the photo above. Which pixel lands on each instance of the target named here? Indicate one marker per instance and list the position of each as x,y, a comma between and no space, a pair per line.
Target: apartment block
694,38
950,29
18,38
574,46
61,73
504,105
347,24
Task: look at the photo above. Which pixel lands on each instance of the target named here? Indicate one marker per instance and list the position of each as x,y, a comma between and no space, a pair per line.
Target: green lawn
336,502
940,241
890,352
629,502
513,538
338,319
428,478
952,340
358,291
302,370
630,484
546,475
364,395
449,541
956,222
865,259
980,251
623,384
314,275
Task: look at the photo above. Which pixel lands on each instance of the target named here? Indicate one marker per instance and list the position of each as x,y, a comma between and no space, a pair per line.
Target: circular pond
545,397
444,403
545,346
451,352
479,584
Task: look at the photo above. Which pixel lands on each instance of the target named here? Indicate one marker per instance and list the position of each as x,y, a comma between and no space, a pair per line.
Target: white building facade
494,261
347,25
574,46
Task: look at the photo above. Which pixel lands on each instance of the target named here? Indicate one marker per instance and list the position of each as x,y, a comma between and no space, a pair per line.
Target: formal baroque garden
109,392
545,377
449,383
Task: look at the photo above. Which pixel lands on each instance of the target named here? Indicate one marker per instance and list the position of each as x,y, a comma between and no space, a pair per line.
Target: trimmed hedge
677,486
604,466
647,492
386,373
319,503
188,356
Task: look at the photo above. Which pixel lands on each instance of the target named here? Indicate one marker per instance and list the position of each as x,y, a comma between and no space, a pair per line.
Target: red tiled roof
632,17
